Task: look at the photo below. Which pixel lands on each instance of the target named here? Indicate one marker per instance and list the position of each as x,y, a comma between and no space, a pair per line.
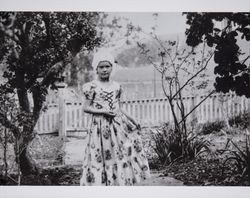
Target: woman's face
104,70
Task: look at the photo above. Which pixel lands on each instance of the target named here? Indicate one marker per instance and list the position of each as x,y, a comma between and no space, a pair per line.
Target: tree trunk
27,164
5,153
174,115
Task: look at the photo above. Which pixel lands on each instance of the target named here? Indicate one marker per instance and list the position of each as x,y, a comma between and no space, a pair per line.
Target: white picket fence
67,116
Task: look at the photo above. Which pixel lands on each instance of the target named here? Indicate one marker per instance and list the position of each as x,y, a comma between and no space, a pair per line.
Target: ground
73,156
61,164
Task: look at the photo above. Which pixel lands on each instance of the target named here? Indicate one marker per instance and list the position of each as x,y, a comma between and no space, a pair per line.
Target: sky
167,22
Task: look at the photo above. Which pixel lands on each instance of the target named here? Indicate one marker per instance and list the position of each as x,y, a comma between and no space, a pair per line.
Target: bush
167,144
212,127
47,150
172,145
240,121
196,146
241,157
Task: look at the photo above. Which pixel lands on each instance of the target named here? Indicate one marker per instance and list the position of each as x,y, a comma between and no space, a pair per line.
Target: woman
114,153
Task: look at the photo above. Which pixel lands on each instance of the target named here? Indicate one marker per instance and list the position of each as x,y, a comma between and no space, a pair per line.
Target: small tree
180,70
35,47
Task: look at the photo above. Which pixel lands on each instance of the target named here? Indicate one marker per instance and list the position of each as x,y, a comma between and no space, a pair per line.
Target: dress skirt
114,153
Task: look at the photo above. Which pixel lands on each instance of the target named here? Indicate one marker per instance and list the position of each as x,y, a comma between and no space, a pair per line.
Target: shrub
212,127
167,144
196,145
241,157
240,121
172,145
47,150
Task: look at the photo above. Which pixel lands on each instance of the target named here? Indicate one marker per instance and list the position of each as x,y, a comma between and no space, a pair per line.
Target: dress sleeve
88,90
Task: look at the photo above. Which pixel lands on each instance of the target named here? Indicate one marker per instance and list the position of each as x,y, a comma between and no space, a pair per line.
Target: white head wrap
102,55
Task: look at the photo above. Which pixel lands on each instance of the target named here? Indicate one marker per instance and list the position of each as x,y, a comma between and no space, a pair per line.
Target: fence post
62,110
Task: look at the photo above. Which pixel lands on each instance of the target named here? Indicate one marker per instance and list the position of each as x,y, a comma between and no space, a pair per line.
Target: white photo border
124,6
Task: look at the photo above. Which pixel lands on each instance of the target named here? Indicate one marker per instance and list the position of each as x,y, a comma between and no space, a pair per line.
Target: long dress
114,152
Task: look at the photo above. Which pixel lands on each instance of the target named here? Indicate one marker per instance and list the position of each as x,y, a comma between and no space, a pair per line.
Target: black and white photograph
105,98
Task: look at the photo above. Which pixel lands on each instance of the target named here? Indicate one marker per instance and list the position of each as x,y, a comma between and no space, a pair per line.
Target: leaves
40,40
241,156
201,28
35,48
47,38
171,145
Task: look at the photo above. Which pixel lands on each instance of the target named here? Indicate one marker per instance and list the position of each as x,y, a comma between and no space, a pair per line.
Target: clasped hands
112,114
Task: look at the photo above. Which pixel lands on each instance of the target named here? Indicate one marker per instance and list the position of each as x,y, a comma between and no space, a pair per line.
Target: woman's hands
109,113
138,126
114,113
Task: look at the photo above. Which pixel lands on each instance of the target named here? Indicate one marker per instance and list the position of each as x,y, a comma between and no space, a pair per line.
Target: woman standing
114,154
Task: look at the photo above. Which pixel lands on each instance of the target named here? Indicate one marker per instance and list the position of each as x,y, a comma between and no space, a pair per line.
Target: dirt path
157,180
74,150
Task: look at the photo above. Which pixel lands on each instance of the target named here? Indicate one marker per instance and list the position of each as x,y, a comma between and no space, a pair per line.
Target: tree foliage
35,48
224,30
79,70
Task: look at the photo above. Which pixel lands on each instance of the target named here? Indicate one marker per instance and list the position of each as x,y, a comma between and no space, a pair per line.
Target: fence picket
147,111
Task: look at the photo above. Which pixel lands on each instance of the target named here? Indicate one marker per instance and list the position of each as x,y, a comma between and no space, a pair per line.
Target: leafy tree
35,47
233,73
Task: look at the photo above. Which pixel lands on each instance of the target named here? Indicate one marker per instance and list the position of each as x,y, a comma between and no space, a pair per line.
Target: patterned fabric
114,154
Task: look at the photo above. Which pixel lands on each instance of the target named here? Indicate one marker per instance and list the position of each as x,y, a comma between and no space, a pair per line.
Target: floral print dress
114,152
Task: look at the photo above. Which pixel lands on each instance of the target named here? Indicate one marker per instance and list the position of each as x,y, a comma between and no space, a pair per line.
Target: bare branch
163,47
197,73
149,58
245,59
212,92
176,48
162,84
186,58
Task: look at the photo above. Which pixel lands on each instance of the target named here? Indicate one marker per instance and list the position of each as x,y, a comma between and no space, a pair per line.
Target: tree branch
163,47
212,92
51,74
245,59
176,48
22,92
38,99
197,73
185,58
8,124
162,84
149,58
